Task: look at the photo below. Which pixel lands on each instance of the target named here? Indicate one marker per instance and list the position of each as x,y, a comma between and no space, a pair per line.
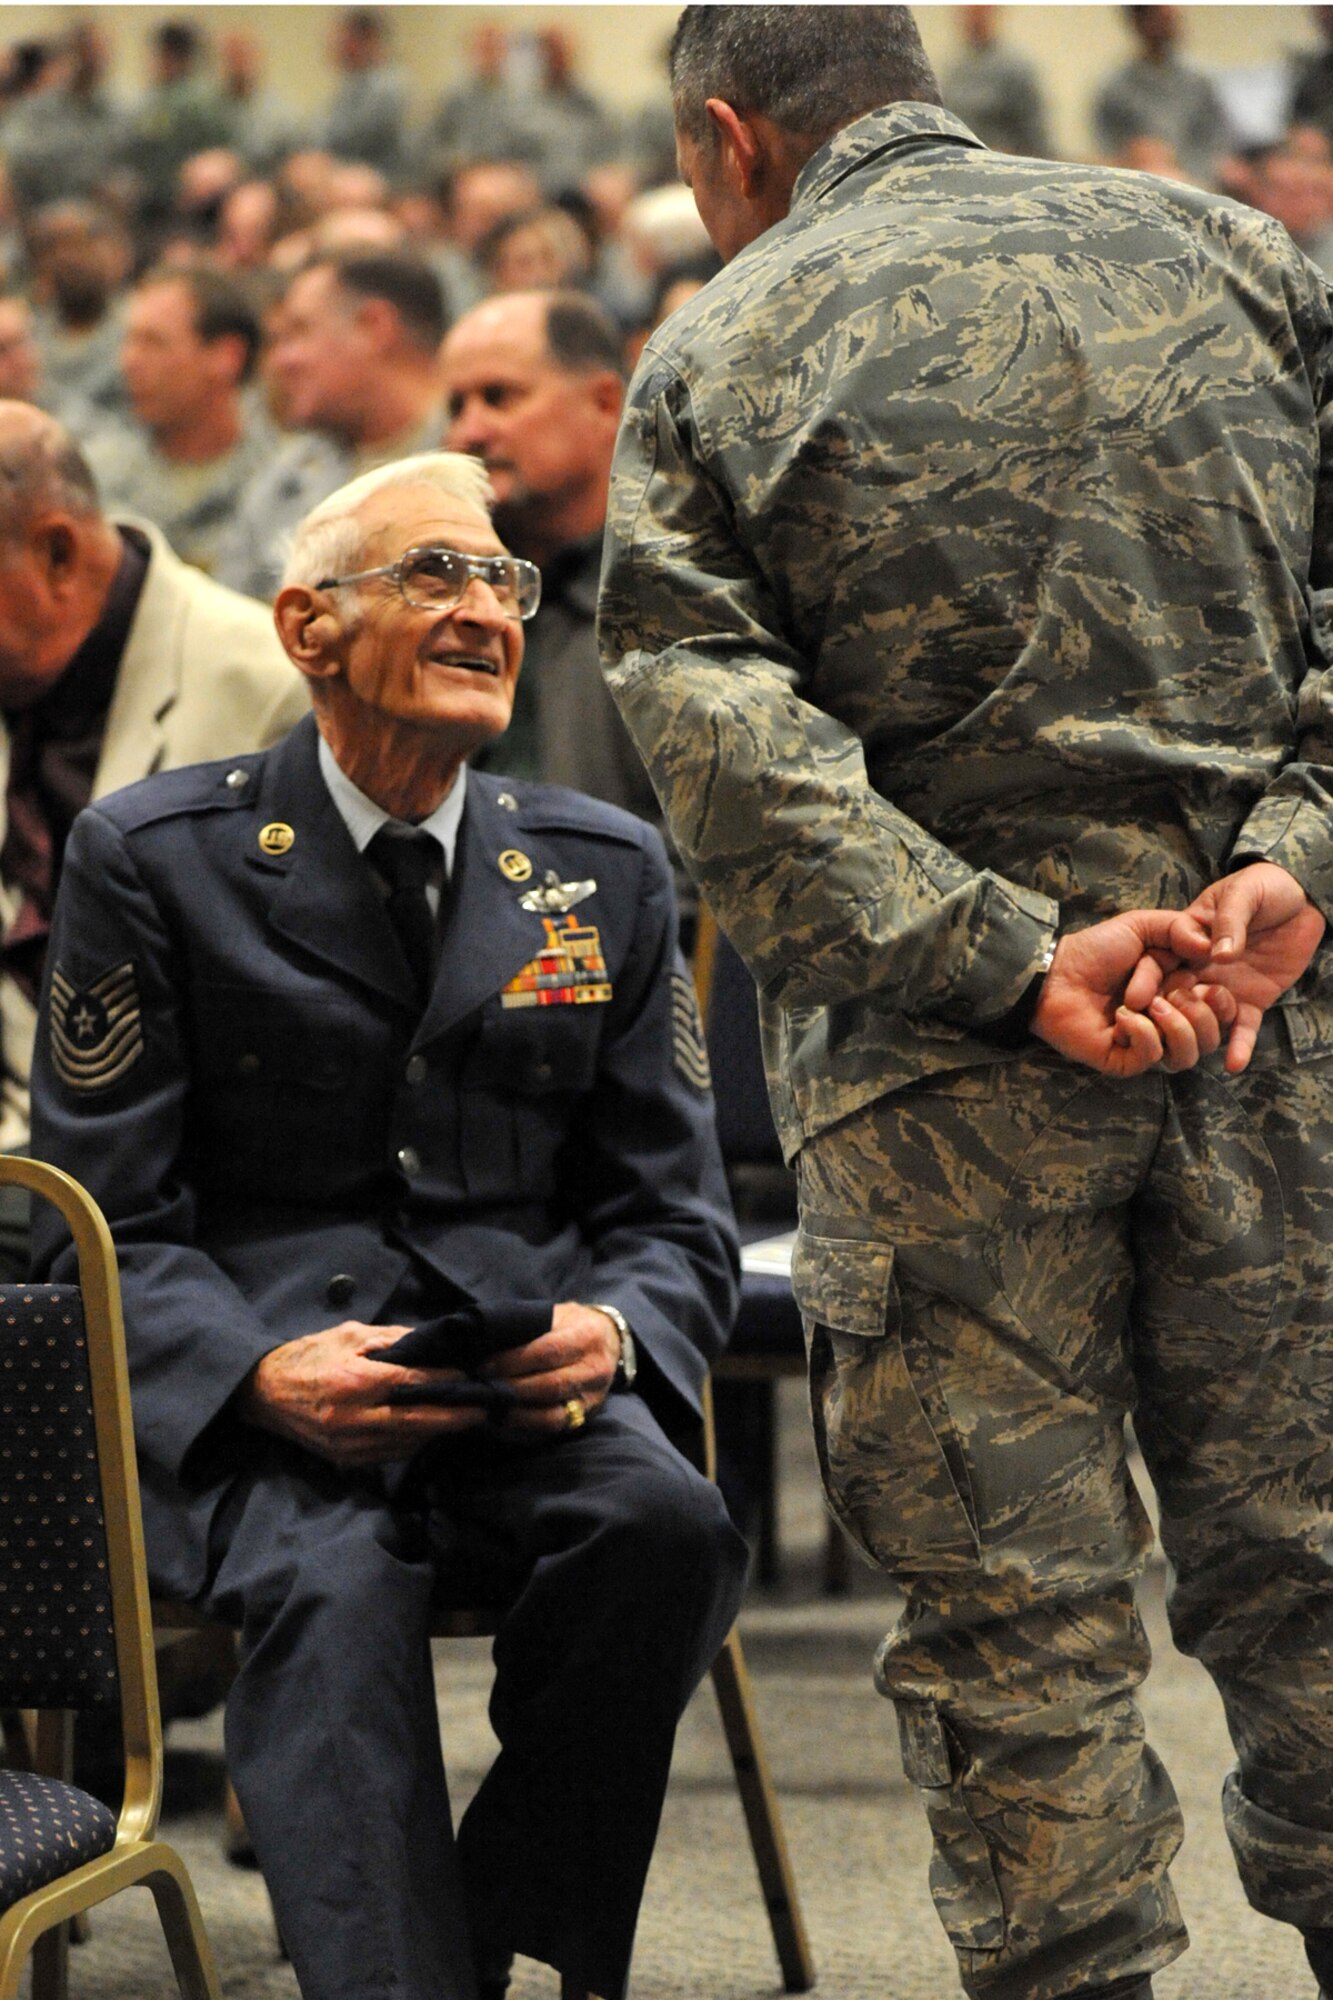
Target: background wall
620,46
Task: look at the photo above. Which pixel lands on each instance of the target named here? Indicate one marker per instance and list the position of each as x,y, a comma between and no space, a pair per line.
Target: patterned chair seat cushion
47,1829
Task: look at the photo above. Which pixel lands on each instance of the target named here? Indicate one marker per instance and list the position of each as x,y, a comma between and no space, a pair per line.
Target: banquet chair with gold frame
75,1629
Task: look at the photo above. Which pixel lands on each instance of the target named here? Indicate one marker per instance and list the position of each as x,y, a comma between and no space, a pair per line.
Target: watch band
627,1367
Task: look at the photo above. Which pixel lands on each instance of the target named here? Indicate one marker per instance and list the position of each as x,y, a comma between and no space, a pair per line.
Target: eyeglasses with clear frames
435,579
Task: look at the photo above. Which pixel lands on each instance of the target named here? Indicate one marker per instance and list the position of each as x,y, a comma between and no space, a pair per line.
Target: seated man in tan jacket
116,660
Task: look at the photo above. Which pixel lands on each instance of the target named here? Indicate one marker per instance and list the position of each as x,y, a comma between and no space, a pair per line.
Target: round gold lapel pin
276,837
515,865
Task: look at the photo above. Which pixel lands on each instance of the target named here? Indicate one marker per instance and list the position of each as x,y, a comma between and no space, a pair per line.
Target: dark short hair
27,60
581,335
810,69
365,22
221,305
697,269
405,283
179,39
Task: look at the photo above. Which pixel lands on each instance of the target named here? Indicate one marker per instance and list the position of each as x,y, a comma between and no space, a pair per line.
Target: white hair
330,538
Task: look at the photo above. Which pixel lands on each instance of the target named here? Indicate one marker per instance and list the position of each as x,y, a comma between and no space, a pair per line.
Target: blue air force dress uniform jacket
234,1060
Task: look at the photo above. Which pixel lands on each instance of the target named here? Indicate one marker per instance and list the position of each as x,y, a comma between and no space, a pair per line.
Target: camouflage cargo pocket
887,1465
962,1875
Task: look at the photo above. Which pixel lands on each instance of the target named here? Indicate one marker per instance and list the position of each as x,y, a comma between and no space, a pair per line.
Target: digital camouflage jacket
959,586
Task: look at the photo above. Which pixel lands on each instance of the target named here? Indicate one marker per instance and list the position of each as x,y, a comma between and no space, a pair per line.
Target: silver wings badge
555,897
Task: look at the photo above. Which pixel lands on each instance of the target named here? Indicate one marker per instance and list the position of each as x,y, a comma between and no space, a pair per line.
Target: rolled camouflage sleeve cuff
1296,835
1017,927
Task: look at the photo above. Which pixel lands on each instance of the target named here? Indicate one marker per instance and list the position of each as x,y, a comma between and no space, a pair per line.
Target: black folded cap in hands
464,1339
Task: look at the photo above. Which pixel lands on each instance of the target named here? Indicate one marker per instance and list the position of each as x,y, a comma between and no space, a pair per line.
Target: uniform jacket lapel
322,895
488,936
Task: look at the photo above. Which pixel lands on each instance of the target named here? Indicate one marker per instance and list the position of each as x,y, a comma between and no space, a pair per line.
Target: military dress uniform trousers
621,1574
997,1265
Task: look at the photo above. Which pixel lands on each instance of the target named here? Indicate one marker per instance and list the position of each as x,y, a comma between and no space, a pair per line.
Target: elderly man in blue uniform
352,1044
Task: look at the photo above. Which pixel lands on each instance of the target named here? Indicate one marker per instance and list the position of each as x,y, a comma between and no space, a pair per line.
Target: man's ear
54,541
380,323
741,147
226,360
608,393
309,631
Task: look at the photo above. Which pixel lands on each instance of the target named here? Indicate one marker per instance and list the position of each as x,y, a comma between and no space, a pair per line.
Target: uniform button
409,1159
417,1068
542,1072
248,1064
340,1288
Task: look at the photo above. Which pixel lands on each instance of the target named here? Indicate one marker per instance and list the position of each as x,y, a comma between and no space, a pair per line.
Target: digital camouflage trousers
996,1267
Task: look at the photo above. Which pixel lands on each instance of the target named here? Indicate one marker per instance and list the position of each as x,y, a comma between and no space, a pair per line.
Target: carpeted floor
855,1830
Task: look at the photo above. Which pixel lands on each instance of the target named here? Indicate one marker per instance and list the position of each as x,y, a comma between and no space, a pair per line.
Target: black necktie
403,856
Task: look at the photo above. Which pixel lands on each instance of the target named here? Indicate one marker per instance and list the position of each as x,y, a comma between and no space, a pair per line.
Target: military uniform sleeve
826,889
645,1175
1292,824
109,1091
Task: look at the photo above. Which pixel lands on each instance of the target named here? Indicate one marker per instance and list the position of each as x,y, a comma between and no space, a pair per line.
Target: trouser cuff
1286,1869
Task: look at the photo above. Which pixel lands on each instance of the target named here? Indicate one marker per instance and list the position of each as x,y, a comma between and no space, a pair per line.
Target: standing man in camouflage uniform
964,593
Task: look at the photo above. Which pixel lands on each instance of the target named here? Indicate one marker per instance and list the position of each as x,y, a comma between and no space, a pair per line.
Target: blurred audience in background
263,126
194,441
80,256
1159,95
994,89
352,369
367,119
233,290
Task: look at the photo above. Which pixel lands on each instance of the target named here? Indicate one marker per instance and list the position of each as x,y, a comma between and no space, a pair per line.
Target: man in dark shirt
533,386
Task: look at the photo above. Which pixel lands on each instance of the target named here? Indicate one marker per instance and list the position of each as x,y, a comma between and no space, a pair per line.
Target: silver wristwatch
628,1365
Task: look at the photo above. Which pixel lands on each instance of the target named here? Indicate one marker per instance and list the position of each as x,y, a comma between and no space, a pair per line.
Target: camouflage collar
894,128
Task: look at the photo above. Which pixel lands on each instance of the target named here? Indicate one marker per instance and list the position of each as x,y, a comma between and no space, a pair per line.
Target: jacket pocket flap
844,1282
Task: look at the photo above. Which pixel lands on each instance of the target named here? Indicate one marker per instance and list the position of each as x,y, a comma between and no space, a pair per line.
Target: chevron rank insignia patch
687,1034
96,1030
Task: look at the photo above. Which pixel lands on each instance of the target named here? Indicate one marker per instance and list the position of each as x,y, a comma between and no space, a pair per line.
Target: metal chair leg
50,1964
731,1680
183,1928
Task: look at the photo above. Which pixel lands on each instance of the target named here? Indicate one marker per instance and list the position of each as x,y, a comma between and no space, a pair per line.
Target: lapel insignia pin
515,865
568,972
96,1030
555,897
507,800
276,837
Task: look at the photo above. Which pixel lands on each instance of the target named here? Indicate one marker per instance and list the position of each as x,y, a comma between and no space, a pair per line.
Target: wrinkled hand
1083,1012
578,1357
322,1392
1252,935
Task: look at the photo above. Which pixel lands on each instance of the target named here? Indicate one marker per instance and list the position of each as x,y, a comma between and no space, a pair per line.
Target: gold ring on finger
576,1413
